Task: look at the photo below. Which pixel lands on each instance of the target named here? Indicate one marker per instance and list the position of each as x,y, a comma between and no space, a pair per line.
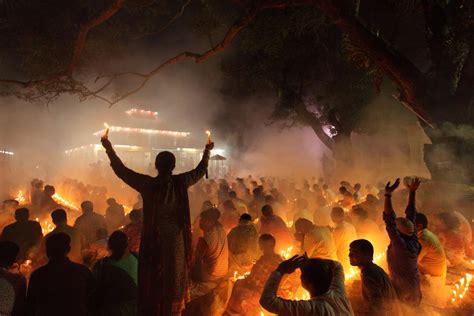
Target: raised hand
290,265
413,186
390,188
210,146
106,143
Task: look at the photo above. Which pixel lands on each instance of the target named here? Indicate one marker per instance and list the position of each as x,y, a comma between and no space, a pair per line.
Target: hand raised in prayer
413,186
390,188
210,146
106,143
290,265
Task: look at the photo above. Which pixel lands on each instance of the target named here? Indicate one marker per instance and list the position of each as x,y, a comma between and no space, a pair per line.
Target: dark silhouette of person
116,277
165,249
114,215
25,233
61,287
380,297
12,285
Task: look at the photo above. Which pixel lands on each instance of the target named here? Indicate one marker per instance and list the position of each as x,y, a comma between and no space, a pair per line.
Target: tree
426,88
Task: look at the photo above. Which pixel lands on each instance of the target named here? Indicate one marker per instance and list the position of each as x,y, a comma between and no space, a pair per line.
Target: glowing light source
140,112
286,253
121,129
238,276
20,197
64,202
107,129
6,152
208,137
460,288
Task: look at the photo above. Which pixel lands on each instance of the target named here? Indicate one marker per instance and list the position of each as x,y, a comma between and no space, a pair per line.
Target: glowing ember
286,253
238,276
60,200
460,288
20,197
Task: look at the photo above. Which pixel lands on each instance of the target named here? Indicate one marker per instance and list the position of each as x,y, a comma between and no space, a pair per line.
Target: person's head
325,187
49,190
206,205
316,276
101,233
405,226
59,217
266,244
421,221
228,206
361,252
118,244
303,225
371,198
342,190
8,253
359,214
337,215
165,162
22,214
357,187
135,216
245,219
111,201
58,246
10,205
232,194
267,210
446,221
87,207
209,219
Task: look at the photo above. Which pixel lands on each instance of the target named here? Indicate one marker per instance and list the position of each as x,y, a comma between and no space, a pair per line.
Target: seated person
378,292
323,279
316,241
243,245
211,257
133,230
245,294
343,233
116,277
273,225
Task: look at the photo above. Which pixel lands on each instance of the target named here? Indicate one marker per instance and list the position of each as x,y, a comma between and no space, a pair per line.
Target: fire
46,226
289,224
286,253
354,273
460,288
20,197
60,200
238,276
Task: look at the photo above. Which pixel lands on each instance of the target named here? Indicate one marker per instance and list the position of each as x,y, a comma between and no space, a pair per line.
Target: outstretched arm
193,176
389,215
410,211
130,177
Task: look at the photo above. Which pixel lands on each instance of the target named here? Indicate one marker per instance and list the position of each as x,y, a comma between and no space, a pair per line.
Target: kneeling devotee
378,292
323,279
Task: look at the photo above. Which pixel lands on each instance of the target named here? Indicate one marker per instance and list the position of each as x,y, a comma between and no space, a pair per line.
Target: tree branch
311,119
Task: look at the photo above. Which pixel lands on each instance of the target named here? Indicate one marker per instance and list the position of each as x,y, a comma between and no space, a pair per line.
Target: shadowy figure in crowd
117,278
89,222
25,233
12,285
133,230
243,244
7,212
61,287
274,225
98,249
322,278
114,215
165,250
378,292
246,292
48,204
229,216
59,218
316,241
343,233
404,248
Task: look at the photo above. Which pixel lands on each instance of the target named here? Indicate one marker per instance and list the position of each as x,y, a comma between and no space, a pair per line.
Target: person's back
215,260
25,233
330,301
89,222
116,278
61,287
12,285
432,259
319,243
114,215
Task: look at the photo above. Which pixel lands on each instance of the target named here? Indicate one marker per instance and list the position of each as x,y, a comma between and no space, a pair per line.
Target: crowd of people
241,246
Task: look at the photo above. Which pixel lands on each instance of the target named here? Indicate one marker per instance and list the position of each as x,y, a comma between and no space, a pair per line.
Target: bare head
316,276
266,244
165,163
361,252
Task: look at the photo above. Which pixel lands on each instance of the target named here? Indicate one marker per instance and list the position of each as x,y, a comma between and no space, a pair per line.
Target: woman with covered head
165,249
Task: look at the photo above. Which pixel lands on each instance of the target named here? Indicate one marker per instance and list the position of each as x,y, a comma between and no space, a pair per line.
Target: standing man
165,250
404,248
